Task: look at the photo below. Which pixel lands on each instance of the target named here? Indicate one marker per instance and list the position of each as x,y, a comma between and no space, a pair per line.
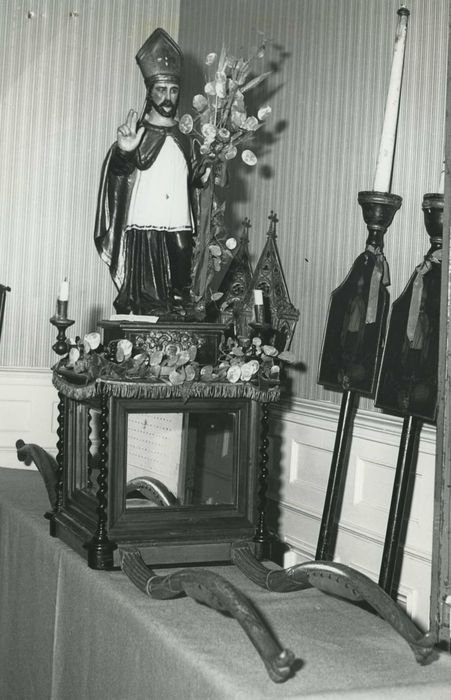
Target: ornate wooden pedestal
104,506
189,489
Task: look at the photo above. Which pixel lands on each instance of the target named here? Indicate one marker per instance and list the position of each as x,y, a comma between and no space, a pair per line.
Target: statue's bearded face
164,98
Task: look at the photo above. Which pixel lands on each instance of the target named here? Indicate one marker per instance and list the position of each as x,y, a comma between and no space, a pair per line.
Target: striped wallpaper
68,77
329,94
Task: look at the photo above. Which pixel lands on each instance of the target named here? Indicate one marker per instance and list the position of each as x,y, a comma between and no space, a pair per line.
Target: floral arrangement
220,127
221,123
240,360
244,360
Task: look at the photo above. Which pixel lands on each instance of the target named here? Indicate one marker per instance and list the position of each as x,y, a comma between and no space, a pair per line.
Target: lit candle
64,290
384,165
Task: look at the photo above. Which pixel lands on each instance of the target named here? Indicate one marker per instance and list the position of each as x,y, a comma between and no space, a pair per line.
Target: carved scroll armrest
153,490
212,589
277,580
46,464
342,581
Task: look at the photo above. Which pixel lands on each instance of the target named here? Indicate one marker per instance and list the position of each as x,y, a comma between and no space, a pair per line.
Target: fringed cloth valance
160,390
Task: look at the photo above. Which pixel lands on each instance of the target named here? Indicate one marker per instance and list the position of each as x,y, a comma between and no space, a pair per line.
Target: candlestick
433,205
384,165
61,347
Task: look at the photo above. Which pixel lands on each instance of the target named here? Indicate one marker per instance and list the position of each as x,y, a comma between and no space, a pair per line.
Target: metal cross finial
246,226
272,227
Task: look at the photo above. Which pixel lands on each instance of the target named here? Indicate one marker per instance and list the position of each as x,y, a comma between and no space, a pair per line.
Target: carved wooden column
261,537
60,431
100,548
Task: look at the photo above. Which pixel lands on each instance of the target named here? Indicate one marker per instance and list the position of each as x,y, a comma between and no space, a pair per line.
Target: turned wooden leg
100,548
261,537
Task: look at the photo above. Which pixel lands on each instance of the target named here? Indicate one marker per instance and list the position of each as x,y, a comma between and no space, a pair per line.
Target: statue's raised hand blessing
128,136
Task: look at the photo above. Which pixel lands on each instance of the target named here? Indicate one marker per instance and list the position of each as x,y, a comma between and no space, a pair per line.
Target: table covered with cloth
71,633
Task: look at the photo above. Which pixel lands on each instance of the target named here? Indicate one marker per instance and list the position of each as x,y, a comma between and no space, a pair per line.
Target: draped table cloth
72,633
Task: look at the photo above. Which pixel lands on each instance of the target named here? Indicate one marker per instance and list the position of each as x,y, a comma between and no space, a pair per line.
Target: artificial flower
249,157
74,354
224,134
200,103
177,377
210,89
263,113
91,341
251,124
230,153
238,118
215,250
186,124
124,350
269,350
221,122
211,58
209,132
234,374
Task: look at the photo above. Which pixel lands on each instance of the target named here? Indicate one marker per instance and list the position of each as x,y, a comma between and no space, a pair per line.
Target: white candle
258,297
64,290
384,163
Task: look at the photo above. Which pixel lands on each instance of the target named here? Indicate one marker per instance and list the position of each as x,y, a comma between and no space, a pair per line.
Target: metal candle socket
432,206
353,338
61,309
61,322
378,209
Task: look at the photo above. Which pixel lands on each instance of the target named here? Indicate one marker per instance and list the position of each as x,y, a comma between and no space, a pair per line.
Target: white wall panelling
302,444
28,410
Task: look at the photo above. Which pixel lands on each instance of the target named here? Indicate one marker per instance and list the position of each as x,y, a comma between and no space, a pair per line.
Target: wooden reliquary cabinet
175,478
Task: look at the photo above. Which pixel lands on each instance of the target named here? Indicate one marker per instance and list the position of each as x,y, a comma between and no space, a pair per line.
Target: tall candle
64,290
441,187
384,164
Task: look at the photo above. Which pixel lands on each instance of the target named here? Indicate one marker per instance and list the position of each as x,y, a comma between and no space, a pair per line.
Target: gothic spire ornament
280,314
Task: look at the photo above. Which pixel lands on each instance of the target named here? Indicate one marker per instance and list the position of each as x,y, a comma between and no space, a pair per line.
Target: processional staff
357,315
408,382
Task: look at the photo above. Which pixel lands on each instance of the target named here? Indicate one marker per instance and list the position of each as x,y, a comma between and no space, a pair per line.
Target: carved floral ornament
240,360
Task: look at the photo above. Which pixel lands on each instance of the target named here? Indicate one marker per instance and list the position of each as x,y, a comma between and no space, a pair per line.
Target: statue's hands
128,136
202,172
205,175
